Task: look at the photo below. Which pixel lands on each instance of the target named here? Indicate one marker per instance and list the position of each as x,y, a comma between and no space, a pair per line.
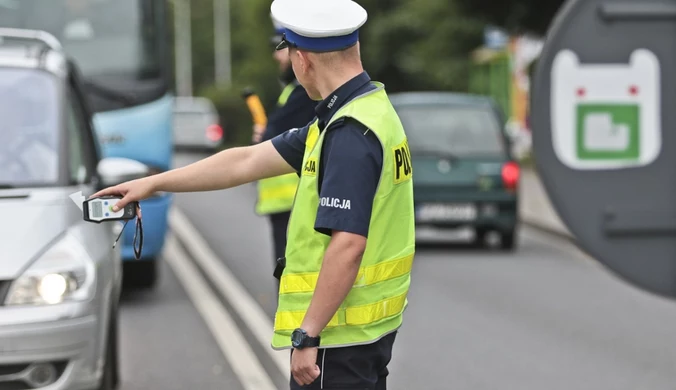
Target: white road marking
244,304
242,359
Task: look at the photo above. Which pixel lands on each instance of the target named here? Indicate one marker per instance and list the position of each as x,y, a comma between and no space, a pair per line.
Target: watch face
296,338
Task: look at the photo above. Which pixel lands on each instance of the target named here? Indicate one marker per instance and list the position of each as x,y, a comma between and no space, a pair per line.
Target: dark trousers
362,367
279,222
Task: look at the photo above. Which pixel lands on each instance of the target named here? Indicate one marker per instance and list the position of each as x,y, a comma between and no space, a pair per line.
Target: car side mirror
116,170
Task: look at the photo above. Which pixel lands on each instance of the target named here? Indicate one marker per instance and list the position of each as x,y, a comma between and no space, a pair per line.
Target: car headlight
65,272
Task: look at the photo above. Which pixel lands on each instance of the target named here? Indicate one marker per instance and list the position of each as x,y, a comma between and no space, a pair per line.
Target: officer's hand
258,131
131,191
304,366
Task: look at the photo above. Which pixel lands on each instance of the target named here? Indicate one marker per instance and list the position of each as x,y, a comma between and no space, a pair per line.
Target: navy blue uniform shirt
351,161
298,110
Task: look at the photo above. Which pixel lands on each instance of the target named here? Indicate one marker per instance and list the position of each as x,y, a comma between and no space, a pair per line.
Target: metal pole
222,60
183,47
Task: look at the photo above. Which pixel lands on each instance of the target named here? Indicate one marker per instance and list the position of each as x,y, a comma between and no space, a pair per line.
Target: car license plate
446,212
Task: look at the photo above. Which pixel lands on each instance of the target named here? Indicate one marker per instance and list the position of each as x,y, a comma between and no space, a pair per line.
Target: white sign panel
606,116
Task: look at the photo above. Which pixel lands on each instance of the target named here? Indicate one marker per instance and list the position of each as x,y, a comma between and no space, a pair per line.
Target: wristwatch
300,339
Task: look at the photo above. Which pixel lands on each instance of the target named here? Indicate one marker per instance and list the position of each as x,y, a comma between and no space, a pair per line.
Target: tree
419,44
517,16
406,44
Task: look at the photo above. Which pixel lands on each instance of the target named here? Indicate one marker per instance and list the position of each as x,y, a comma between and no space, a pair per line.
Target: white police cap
278,36
319,25
278,27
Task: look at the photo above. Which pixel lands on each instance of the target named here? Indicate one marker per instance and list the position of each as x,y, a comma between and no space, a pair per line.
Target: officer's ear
303,59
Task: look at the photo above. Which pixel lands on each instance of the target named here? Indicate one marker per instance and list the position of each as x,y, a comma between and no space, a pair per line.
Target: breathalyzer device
101,209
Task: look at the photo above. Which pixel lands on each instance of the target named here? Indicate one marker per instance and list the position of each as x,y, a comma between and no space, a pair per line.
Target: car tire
508,240
141,274
110,379
480,237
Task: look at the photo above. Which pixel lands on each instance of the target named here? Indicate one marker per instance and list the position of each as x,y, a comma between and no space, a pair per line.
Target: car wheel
508,240
480,237
141,274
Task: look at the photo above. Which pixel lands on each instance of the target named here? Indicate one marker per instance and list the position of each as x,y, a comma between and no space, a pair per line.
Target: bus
122,50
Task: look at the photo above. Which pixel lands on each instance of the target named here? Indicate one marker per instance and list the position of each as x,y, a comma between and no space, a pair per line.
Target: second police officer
294,109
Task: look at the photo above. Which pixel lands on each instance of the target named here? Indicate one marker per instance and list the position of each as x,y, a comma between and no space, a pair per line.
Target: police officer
294,110
351,237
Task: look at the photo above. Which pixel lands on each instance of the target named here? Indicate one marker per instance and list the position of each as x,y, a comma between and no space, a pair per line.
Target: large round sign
604,133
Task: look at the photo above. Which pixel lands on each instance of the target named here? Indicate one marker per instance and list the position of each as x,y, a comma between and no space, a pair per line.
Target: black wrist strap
312,341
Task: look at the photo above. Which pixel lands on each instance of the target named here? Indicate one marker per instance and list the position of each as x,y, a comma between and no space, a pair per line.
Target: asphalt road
544,317
165,344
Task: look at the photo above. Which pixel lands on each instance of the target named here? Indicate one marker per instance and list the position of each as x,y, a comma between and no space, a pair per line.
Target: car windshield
452,130
29,123
107,38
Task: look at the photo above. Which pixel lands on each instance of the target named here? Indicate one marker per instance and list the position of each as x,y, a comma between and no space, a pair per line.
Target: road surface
545,316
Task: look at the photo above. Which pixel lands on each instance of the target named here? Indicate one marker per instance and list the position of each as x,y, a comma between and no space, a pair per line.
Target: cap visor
282,45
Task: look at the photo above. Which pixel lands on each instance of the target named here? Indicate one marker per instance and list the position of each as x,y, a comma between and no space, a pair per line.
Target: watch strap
312,342
303,340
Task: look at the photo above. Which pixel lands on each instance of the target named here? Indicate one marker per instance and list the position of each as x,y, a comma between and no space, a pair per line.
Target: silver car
60,277
196,124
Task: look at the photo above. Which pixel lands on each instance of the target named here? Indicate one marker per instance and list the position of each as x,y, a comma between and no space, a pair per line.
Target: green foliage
419,44
202,34
251,52
234,114
252,62
406,44
517,16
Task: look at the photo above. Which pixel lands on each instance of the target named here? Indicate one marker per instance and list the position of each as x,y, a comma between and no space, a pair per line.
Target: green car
463,170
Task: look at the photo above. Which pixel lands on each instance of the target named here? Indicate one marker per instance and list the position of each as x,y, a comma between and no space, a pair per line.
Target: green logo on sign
608,132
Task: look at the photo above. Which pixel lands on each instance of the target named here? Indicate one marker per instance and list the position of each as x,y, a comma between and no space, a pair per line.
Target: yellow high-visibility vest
275,194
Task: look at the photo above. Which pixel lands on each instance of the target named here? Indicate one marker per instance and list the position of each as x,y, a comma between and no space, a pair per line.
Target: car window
76,131
29,128
453,129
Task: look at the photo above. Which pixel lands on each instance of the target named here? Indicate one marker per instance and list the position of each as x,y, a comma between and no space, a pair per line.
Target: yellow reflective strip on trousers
357,315
297,283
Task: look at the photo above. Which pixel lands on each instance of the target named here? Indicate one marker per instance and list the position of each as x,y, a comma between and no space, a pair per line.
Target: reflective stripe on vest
375,304
276,194
359,315
366,276
286,92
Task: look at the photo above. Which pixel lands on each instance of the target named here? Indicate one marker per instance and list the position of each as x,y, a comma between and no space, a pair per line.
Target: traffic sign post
604,133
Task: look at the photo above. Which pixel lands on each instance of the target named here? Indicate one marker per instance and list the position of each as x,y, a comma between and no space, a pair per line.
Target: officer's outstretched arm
229,168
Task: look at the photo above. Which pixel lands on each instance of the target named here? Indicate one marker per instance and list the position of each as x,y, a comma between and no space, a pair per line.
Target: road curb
536,209
547,229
